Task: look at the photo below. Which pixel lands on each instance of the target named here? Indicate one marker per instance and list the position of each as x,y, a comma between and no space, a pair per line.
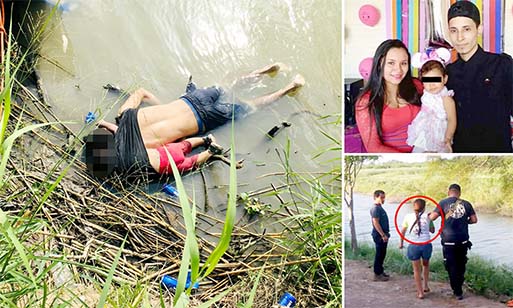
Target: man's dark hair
378,193
464,9
100,153
455,187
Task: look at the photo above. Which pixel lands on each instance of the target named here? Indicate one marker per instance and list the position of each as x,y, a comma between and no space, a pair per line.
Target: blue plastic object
287,300
171,283
170,190
90,117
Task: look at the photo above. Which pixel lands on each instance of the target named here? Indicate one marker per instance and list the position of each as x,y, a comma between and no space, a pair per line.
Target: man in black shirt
482,84
458,215
380,234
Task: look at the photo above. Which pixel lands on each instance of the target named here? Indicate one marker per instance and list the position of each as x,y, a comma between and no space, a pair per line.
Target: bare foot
297,83
271,69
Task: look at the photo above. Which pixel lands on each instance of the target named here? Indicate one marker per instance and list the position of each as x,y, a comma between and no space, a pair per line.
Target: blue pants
213,107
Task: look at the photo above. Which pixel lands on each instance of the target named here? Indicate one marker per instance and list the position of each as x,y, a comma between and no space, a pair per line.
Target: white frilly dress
427,131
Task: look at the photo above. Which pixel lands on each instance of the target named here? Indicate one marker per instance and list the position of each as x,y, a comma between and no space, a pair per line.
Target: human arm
197,141
377,226
110,126
431,226
508,80
434,215
450,110
472,217
403,231
367,128
136,98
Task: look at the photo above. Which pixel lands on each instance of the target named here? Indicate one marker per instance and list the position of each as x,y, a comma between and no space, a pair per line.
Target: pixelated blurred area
100,153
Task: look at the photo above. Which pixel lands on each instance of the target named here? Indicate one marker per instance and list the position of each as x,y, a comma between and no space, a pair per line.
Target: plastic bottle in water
170,190
287,301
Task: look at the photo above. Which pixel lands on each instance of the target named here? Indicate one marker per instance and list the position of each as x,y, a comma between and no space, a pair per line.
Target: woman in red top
389,101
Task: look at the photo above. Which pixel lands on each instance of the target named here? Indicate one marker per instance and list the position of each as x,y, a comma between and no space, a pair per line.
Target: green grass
481,277
316,229
190,258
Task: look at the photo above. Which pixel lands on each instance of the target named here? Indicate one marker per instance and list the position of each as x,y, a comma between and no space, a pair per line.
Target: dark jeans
455,260
379,258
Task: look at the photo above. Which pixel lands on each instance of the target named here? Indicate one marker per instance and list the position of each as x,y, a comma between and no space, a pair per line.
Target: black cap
455,187
464,9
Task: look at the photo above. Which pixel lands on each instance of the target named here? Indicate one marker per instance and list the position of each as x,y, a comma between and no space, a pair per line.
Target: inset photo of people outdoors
428,76
428,231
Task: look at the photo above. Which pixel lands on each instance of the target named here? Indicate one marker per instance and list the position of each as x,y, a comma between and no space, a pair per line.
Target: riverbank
68,230
481,278
485,180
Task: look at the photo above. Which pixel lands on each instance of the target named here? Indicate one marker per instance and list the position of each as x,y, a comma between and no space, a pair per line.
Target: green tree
352,166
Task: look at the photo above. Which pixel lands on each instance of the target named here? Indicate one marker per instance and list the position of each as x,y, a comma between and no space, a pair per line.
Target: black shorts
213,108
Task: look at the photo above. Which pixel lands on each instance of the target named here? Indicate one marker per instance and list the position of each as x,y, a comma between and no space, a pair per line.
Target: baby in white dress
433,128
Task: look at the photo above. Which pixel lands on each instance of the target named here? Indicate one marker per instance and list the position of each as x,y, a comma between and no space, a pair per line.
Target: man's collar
475,57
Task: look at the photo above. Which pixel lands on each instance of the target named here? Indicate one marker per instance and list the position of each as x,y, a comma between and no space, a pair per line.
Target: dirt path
361,291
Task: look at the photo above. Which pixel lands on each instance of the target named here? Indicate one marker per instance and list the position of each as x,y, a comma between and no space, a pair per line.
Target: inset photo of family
428,76
428,231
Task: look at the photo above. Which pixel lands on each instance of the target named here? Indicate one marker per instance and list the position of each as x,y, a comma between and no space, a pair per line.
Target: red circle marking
397,212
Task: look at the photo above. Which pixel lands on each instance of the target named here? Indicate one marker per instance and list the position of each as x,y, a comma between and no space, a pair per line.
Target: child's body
433,128
159,158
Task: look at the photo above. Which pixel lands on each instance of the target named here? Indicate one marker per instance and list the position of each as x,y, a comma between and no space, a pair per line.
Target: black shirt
377,211
483,91
133,159
457,213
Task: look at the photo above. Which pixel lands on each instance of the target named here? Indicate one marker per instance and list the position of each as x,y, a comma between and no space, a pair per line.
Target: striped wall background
404,19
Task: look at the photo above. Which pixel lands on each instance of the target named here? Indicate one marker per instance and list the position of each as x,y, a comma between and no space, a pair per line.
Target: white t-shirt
414,235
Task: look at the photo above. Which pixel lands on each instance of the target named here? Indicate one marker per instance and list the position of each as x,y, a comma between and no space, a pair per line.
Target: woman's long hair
418,213
376,86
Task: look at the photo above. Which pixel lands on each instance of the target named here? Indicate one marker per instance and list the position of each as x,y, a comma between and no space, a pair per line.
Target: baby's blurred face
434,81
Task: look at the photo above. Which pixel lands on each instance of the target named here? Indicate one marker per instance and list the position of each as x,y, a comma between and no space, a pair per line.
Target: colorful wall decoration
406,20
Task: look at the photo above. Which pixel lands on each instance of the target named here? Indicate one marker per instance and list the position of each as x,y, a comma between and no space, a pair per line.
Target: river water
491,236
158,44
